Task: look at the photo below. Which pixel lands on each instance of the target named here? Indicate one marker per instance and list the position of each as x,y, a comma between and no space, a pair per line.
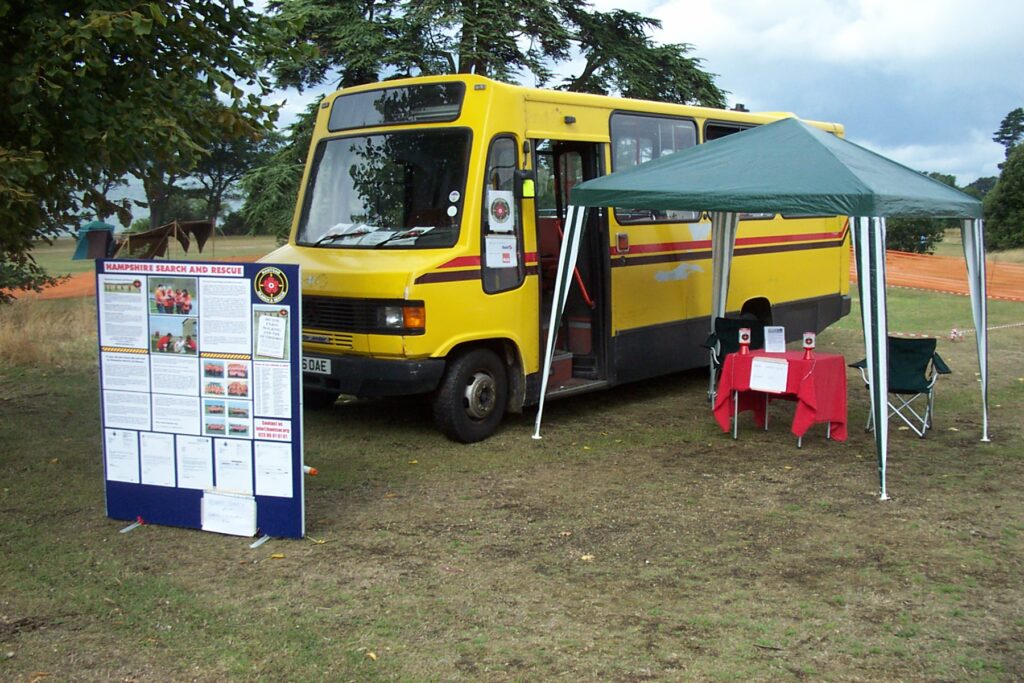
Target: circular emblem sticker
270,284
500,210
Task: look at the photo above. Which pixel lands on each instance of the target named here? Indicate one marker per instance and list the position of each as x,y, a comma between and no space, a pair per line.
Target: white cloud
928,81
974,156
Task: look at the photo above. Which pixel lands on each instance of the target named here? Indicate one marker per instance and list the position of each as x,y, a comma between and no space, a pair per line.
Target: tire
313,399
470,402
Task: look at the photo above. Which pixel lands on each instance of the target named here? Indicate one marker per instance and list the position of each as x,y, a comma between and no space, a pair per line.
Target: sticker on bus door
501,251
500,210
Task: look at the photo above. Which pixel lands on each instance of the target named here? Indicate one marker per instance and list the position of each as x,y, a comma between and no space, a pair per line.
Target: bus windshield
393,190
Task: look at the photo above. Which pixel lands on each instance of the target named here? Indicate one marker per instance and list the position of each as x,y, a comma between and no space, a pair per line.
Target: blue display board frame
182,379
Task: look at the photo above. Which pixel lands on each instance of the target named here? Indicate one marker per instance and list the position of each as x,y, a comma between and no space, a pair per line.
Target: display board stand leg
257,543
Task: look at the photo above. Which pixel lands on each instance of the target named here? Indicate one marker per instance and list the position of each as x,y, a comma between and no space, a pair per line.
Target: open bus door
580,361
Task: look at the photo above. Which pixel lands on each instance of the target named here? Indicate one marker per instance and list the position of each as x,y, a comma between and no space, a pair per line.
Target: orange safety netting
948,274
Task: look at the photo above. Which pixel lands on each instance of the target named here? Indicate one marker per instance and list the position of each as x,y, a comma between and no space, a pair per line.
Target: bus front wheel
471,400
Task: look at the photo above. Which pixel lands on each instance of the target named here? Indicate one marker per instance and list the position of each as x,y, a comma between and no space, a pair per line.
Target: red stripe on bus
474,261
462,262
740,242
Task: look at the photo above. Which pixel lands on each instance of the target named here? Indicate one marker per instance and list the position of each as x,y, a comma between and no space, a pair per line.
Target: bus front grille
328,338
337,314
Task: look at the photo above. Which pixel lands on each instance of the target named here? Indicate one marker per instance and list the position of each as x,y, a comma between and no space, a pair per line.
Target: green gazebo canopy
786,167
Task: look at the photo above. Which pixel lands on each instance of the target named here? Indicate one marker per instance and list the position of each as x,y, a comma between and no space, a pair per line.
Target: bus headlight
392,317
405,319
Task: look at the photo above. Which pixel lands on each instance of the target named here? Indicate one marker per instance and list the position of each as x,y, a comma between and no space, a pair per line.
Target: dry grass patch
53,334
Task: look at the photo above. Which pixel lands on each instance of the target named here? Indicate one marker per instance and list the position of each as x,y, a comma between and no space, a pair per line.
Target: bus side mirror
525,184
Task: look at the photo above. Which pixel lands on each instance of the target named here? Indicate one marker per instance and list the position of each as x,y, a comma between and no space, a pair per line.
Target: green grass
952,246
708,558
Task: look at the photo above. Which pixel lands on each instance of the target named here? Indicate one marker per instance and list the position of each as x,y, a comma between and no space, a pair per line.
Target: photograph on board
174,335
173,296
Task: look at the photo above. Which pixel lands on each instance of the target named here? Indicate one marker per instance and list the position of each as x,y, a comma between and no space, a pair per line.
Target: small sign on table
769,375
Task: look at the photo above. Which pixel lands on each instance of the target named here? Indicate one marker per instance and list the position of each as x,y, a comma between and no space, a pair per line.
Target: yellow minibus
426,269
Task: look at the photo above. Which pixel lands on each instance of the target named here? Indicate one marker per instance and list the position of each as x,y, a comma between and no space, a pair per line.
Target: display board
200,387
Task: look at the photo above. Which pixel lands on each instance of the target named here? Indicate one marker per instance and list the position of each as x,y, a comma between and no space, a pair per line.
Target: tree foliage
363,41
219,171
1011,130
919,234
271,189
980,187
93,92
621,58
1004,205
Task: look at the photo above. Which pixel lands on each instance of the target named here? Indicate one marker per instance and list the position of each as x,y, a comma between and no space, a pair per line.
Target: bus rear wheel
471,400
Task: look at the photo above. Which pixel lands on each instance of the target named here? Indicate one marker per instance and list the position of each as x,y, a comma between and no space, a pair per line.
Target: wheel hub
480,396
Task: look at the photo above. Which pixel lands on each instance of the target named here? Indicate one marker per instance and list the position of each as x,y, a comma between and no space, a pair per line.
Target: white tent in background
793,168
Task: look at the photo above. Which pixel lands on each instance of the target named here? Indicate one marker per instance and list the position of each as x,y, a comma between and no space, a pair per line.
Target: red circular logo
271,285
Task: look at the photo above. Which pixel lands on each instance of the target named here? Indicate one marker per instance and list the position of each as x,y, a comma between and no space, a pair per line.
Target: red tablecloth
818,386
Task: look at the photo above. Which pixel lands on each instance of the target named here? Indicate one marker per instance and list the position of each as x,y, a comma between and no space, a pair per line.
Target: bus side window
501,223
637,138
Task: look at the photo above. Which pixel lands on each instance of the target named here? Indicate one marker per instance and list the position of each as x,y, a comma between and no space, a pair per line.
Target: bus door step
584,366
561,368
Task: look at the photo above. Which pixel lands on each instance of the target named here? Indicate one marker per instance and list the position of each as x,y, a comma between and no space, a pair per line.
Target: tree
272,188
980,187
1011,130
1004,205
219,170
919,234
362,41
621,58
91,93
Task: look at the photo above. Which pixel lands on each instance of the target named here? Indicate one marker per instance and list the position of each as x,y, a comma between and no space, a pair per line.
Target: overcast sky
924,83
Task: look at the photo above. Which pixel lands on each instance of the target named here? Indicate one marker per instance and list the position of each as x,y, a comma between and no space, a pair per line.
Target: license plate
319,366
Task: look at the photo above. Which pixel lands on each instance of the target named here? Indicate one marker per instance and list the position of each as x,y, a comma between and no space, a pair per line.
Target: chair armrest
940,365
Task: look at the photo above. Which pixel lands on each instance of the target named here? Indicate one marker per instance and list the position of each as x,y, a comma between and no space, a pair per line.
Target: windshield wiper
330,237
412,233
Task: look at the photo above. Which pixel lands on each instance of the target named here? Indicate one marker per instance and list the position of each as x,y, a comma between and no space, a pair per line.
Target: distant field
56,258
951,245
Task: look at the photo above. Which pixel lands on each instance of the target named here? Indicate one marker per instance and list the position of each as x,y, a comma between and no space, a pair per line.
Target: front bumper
366,377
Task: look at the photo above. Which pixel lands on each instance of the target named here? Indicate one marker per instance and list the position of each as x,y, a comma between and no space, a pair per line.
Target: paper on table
769,374
227,513
775,339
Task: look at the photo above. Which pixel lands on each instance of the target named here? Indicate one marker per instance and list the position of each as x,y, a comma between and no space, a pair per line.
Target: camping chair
914,367
725,340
